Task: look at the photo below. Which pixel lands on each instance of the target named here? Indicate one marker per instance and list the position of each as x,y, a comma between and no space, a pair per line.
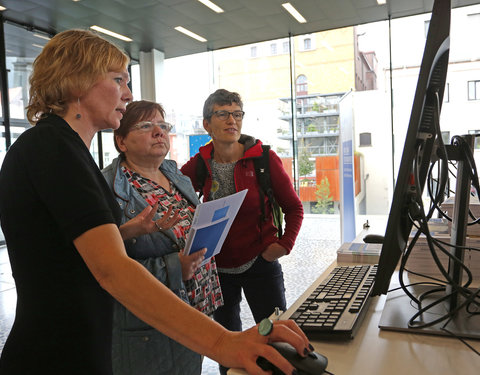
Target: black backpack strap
262,171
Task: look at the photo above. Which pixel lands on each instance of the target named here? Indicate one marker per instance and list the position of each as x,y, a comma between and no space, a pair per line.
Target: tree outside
324,199
305,165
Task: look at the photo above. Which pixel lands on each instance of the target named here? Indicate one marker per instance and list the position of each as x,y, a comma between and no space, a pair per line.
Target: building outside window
307,44
301,85
473,90
365,139
273,49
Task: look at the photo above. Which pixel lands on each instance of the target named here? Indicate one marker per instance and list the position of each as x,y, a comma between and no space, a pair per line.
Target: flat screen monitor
420,148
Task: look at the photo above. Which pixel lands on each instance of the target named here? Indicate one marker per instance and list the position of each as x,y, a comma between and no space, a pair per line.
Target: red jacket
248,237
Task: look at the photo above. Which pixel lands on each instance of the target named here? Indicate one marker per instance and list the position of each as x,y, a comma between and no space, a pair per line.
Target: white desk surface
378,352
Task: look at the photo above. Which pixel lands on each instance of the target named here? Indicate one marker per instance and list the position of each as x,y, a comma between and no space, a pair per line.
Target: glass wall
19,59
296,111
372,119
460,105
361,61
293,89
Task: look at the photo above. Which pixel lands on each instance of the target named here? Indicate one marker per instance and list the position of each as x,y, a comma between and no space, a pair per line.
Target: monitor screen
417,153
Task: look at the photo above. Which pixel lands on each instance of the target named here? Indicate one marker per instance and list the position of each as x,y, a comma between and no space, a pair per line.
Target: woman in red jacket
249,257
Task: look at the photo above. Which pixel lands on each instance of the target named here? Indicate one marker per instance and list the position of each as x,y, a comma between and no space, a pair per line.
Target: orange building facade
325,167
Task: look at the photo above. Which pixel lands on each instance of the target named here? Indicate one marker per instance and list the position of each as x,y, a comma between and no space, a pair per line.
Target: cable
420,218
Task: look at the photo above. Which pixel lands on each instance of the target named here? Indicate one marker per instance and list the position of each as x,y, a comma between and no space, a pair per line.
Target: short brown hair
220,97
68,66
136,111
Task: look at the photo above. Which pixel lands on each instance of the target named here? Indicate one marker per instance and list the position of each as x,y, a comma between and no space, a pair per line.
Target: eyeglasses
224,115
147,126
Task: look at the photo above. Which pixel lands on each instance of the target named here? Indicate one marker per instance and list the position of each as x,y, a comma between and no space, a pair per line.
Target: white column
152,75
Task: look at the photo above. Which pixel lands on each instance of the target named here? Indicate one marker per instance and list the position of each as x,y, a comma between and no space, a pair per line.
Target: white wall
377,171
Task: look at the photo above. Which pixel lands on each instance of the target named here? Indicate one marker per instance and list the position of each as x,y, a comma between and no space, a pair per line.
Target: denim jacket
137,347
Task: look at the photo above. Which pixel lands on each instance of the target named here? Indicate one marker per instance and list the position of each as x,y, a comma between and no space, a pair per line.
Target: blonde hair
68,66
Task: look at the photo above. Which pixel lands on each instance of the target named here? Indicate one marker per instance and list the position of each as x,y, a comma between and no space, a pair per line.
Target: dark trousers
264,290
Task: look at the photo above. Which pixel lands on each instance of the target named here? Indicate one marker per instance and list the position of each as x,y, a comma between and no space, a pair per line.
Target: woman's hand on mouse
249,345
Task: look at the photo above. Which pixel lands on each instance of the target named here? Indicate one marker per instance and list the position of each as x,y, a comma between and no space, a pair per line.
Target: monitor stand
399,309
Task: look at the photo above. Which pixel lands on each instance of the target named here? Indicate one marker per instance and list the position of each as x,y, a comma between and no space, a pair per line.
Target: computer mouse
373,238
312,364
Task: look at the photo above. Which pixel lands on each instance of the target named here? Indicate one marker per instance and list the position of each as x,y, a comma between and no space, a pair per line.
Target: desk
378,352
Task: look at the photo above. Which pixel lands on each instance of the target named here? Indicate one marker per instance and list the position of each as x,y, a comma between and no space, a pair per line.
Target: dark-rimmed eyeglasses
147,126
224,115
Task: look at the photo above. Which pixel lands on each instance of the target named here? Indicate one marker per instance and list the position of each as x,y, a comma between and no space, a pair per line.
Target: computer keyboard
335,309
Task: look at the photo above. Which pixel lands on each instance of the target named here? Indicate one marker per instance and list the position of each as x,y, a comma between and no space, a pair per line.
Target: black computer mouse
373,238
312,364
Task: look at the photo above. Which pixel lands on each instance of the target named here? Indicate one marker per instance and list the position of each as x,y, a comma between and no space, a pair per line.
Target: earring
78,115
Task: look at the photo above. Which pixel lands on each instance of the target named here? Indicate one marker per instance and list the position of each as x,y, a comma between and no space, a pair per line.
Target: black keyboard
335,309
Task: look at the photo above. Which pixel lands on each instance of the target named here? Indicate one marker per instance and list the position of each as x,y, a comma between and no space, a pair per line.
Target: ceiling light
2,8
42,36
111,33
190,34
212,6
295,13
37,45
381,2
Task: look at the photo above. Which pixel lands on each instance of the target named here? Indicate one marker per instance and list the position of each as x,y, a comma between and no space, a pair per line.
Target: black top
51,191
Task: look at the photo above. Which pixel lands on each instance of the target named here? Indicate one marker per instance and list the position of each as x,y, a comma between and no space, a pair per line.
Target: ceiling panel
337,9
150,22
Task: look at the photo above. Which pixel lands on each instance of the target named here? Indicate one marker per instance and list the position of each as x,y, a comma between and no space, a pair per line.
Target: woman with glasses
60,221
141,178
249,257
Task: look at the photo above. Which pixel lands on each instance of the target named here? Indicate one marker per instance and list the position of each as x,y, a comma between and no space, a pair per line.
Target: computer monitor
423,144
